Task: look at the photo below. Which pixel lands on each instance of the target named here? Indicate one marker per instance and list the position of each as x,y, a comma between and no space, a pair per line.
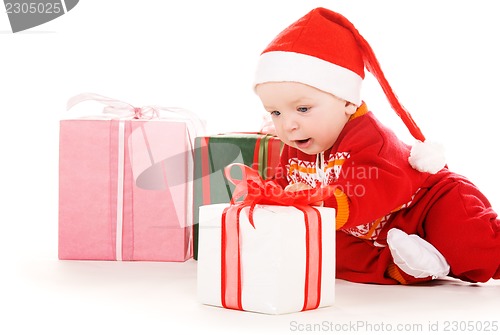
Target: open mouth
303,143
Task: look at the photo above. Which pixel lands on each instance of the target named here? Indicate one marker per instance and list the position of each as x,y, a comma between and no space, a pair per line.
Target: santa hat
324,50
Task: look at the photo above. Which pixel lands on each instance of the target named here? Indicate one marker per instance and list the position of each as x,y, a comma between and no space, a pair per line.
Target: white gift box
273,258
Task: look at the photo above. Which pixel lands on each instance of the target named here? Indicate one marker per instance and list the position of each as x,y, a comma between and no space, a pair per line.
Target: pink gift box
125,190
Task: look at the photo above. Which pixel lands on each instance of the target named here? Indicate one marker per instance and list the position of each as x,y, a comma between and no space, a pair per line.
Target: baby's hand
297,187
301,187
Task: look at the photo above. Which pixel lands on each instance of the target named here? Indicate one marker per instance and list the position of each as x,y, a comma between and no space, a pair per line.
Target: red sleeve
376,178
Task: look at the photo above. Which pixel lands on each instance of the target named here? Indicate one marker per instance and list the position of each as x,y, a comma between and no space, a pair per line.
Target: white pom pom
427,157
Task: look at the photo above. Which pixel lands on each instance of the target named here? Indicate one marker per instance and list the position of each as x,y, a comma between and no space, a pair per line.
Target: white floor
80,297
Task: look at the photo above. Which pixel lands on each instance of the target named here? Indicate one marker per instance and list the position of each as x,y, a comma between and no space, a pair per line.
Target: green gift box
213,153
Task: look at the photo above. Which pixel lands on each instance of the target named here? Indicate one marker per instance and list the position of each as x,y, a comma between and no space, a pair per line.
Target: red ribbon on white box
116,109
258,191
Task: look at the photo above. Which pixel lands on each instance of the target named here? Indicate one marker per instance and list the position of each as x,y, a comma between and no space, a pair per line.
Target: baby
402,216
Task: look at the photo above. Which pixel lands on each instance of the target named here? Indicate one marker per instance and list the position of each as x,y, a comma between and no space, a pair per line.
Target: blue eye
275,113
302,109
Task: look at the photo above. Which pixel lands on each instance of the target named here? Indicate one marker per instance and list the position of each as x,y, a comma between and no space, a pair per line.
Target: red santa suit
377,189
381,182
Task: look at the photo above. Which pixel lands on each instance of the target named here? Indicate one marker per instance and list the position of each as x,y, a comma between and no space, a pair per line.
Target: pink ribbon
116,107
123,110
255,191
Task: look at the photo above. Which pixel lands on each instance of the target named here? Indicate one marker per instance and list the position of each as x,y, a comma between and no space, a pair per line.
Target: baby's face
304,117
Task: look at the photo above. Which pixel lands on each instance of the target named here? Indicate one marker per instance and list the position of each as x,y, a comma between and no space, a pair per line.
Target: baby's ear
350,108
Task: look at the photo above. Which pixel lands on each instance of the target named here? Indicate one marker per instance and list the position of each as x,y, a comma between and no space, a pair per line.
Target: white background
441,58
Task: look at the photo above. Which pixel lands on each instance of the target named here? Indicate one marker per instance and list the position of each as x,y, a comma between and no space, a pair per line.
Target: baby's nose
290,123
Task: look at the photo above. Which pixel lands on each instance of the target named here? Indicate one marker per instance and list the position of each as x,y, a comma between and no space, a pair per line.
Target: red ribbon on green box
213,153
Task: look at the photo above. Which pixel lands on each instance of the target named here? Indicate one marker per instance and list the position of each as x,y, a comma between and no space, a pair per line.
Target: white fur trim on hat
278,66
427,157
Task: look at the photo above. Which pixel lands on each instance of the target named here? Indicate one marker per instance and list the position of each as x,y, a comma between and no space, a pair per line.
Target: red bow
255,191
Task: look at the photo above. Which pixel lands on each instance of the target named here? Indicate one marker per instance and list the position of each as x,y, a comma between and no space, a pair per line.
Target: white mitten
416,256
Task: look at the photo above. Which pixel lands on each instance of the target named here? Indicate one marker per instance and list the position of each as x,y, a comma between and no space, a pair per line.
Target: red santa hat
324,50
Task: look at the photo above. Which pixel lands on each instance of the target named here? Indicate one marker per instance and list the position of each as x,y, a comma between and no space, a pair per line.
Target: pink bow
116,107
123,110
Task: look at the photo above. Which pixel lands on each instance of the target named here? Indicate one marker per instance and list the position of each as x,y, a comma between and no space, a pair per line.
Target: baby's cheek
278,132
